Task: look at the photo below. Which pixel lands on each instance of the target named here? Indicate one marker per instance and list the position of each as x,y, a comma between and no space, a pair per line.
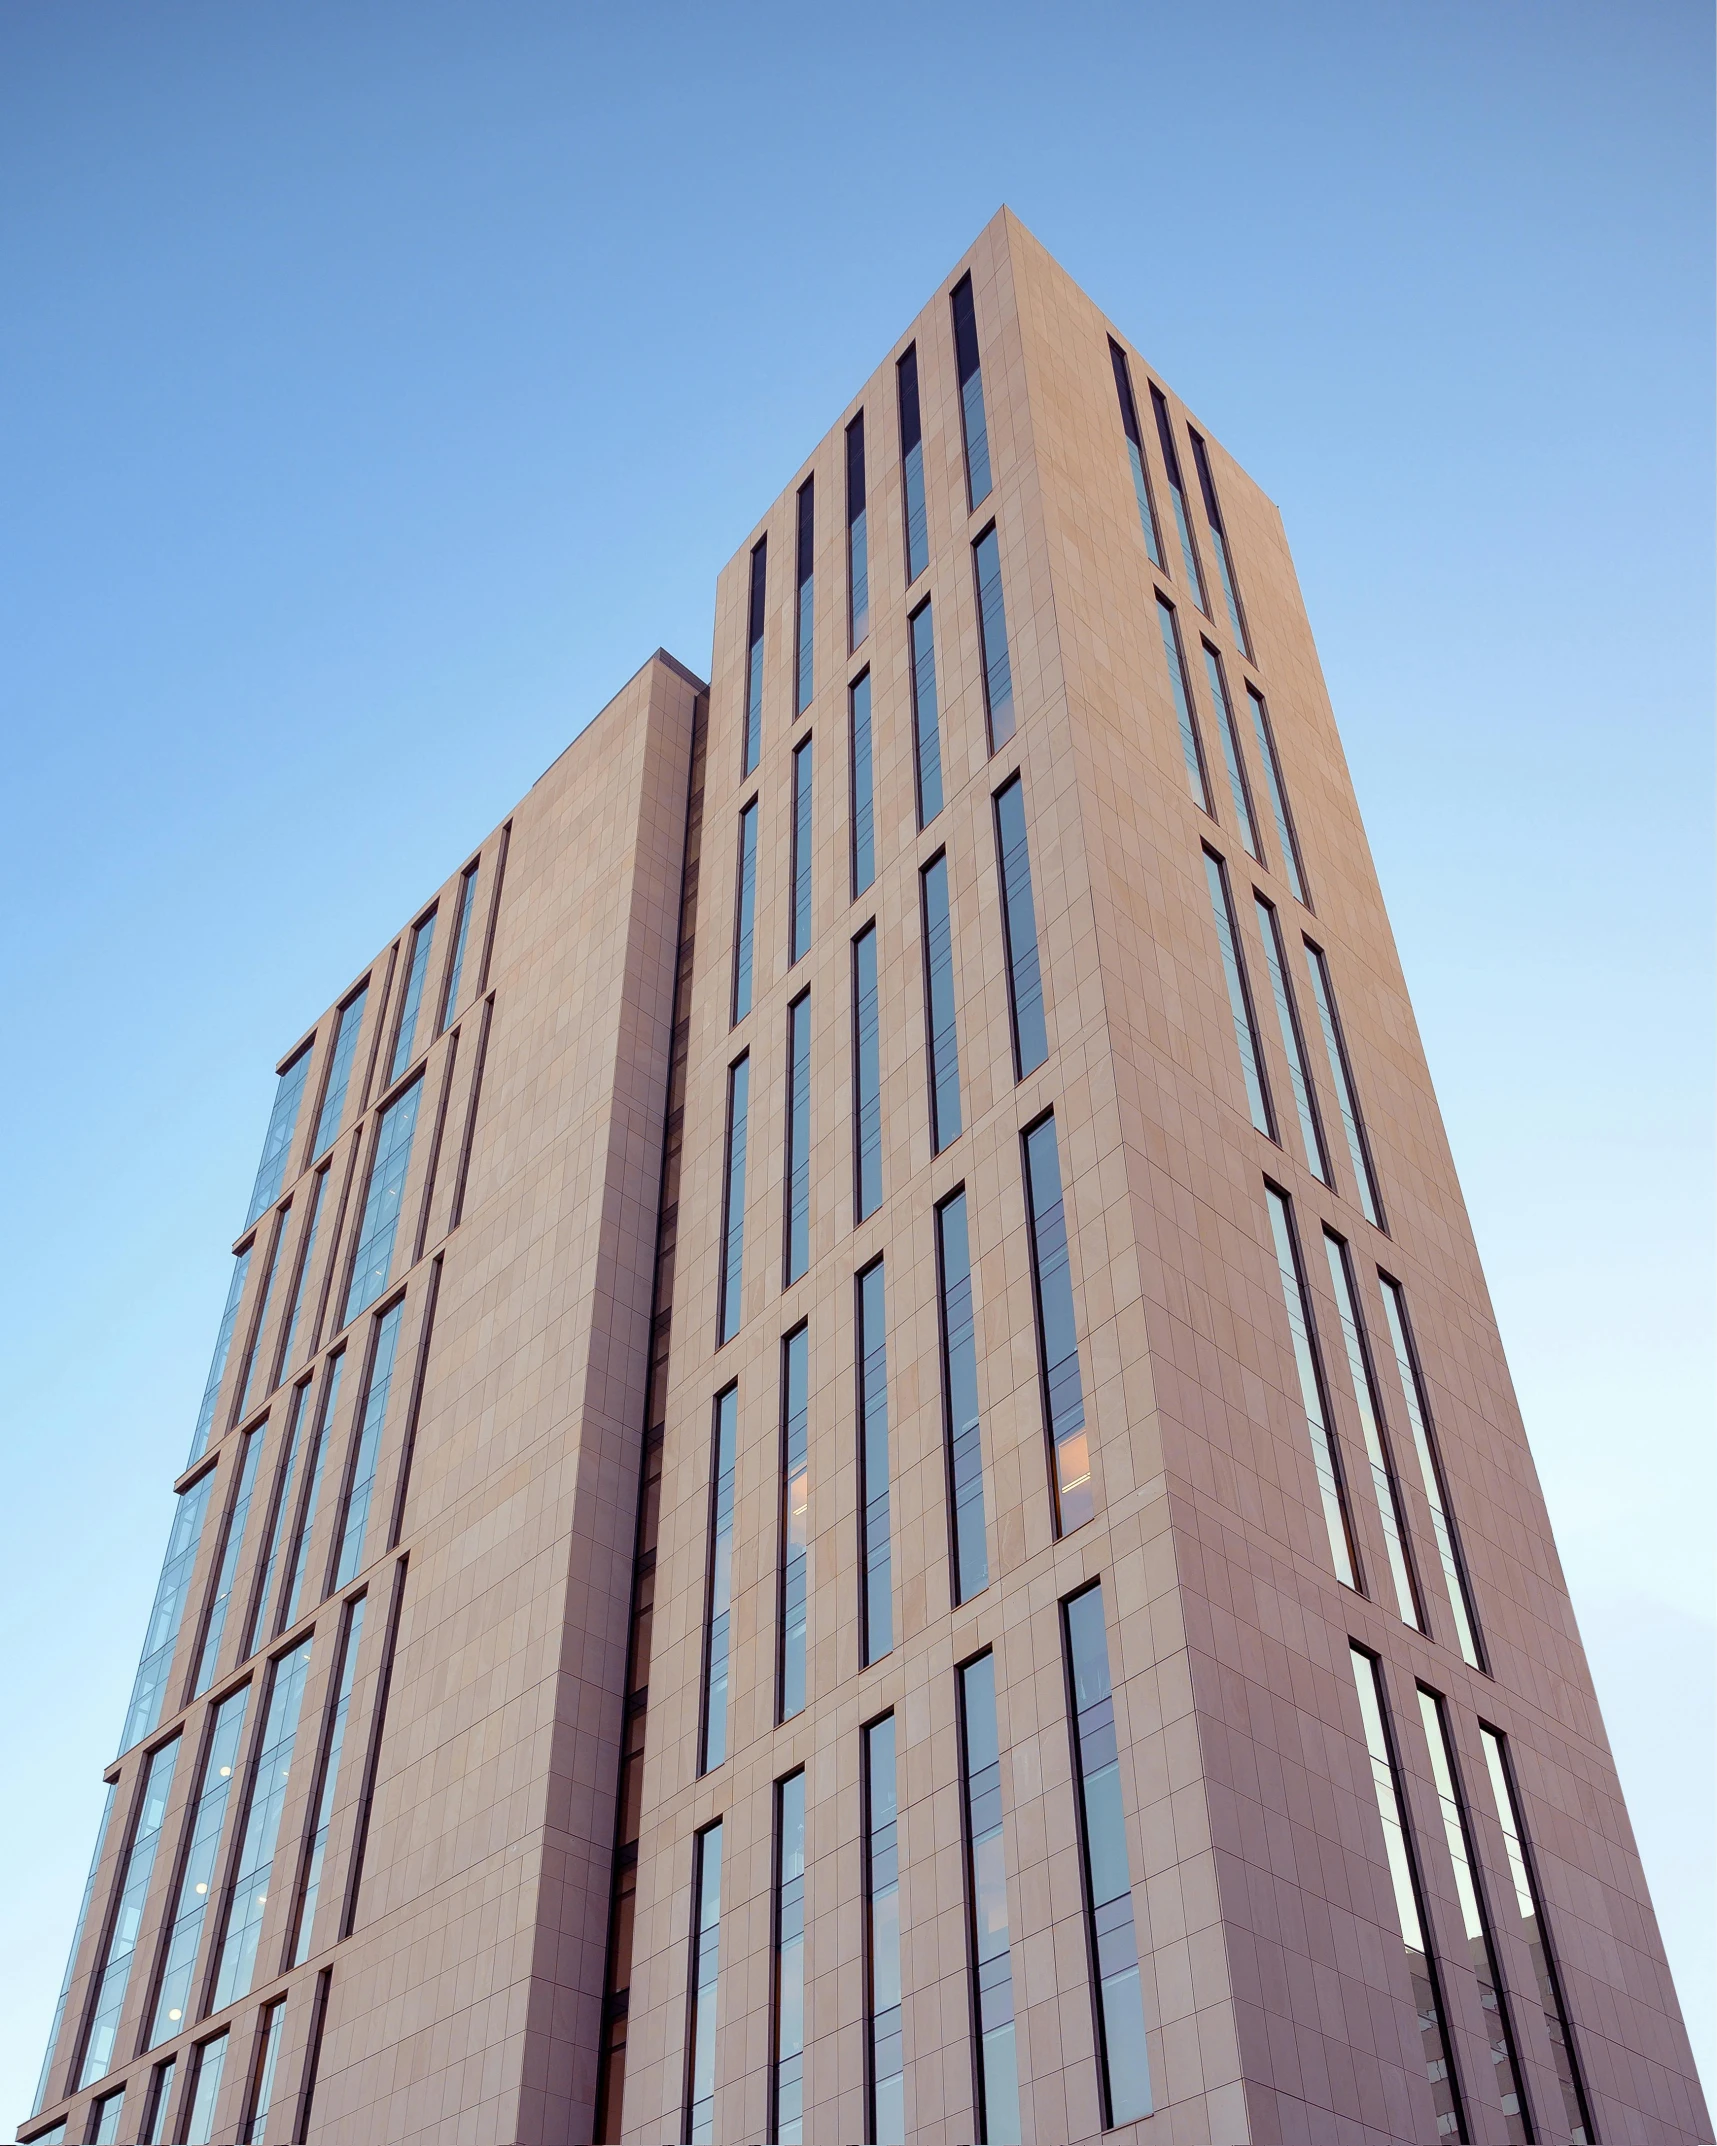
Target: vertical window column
208,1819
297,1561
912,467
1136,454
993,640
804,609
1219,542
253,1355
987,1903
390,1161
730,1310
262,1599
941,1027
45,2078
788,2084
863,787
114,1975
366,1449
255,2124
753,740
795,1521
411,999
706,1970
167,1613
301,1276
1293,1043
858,549
1238,788
1239,997
348,1025
1358,1149
719,1601
1365,1400
1332,1492
799,923
887,2065
1431,1475
1019,931
876,1595
236,1949
1286,841
238,1513
745,913
277,1141
223,1348
798,1171
960,1401
210,2058
1057,1332
926,730
1192,749
867,1079
972,426
310,1880
1177,496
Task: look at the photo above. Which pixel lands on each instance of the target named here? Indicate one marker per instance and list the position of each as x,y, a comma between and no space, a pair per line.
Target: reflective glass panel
987,1905
236,1969
348,1025
730,1308
717,1639
113,1976
1332,1491
943,1034
311,1884
993,640
926,729
373,1261
197,1878
795,1519
960,1399
277,1141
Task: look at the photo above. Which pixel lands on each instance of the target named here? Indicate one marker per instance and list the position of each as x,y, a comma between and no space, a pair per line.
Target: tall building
858,1482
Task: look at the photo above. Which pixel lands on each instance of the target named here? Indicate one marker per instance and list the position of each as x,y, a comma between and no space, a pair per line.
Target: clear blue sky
380,384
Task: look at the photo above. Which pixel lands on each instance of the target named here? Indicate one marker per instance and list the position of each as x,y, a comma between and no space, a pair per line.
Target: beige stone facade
503,1942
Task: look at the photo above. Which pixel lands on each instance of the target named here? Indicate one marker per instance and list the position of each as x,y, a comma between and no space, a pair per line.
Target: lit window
197,1880
235,1952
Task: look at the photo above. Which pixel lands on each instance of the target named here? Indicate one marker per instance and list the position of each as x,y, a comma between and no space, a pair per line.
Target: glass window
1057,1335
987,1902
864,788
232,1544
366,1449
730,1309
411,999
1366,1400
876,1592
882,1938
104,2118
1136,454
706,1969
154,2125
173,2008
47,2071
789,2026
223,1348
1475,1918
1326,1458
804,612
277,1141
972,425
960,1420
1285,838
1126,2071
168,1612
262,1599
912,467
114,1974
926,731
255,2125
720,1605
1535,1932
1019,930
1293,1043
1341,1073
1177,497
993,639
211,2062
858,550
795,1520
306,1253
798,1231
389,1163
940,1023
1239,997
348,1026
467,904
1219,542
1404,1878
867,1078
745,913
1238,789
799,925
1192,749
235,1970
253,1355
297,1561
753,744
1443,1527
310,1885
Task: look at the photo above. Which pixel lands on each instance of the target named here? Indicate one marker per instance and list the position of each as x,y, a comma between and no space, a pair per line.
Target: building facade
858,1482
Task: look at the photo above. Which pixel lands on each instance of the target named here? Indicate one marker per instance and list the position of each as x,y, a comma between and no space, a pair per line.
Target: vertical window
1019,931
745,913
876,1591
864,788
795,1522
1177,497
253,1354
730,1309
940,1024
348,1025
366,1447
1475,1917
238,1513
1409,1899
104,2119
197,1878
292,1581
1238,788
1535,1930
960,1423
1219,542
867,1079
799,925
1285,838
1332,1491
798,1221
310,1885
972,425
411,999
753,744
1293,1042
1057,1335
886,2051
47,2071
211,2062
788,2084
720,1603
858,549
1431,1474
926,730
993,639
223,1348
805,609
286,1474
987,1902
1366,1399
706,1968
1239,997
389,1163
1192,749
236,1955
255,2125
277,1141
1136,454
1341,1073
467,903
168,1611
306,1253
912,467
114,1974
1110,1933
154,2125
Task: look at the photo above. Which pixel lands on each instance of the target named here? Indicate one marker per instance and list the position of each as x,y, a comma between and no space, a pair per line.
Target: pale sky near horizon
379,386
